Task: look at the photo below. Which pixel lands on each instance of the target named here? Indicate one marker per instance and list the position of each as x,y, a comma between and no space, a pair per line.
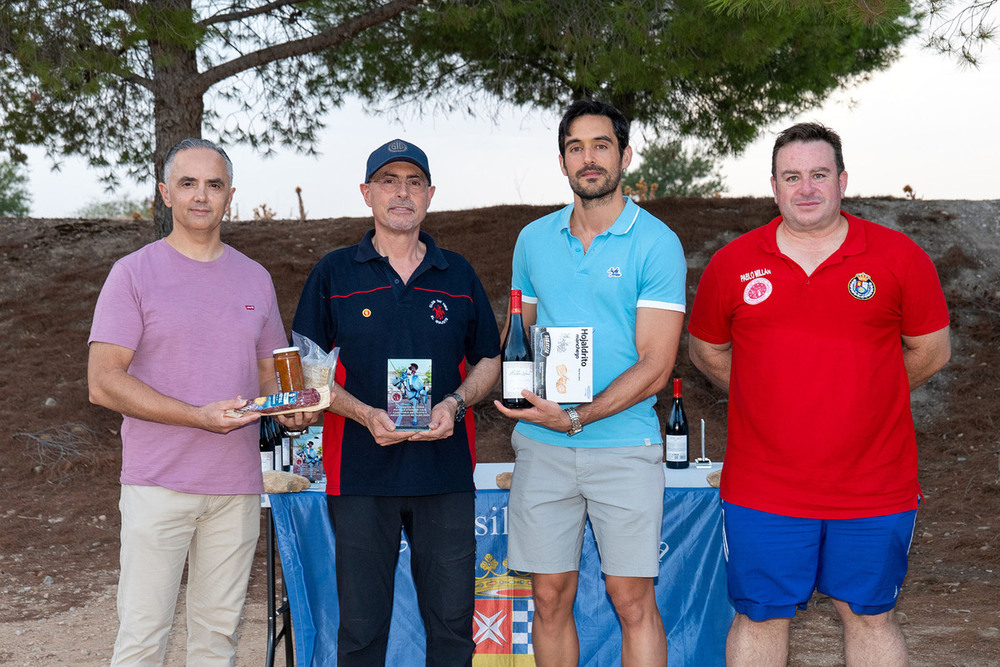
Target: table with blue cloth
690,590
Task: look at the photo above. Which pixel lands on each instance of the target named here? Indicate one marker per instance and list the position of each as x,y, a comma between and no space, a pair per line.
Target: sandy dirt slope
60,456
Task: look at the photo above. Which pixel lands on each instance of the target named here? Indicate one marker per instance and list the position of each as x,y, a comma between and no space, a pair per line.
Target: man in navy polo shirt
396,296
601,262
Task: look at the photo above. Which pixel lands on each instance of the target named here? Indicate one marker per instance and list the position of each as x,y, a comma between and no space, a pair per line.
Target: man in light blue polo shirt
605,263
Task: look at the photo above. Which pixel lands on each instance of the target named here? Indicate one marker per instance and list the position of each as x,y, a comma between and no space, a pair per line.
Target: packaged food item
307,400
288,368
318,367
564,363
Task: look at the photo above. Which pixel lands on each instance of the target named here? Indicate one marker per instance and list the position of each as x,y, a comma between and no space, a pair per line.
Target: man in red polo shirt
819,325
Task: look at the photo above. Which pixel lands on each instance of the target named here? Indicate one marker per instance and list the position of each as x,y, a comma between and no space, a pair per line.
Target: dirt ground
60,456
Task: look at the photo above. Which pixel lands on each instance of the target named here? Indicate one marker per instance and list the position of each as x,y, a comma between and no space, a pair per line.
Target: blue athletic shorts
775,562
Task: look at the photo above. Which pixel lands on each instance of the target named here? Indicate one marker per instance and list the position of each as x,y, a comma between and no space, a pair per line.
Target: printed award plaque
409,393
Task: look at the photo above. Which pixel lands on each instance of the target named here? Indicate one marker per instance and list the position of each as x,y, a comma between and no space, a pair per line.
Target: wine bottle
676,445
518,367
269,432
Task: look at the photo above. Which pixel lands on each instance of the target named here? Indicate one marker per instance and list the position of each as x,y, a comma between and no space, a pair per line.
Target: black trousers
442,542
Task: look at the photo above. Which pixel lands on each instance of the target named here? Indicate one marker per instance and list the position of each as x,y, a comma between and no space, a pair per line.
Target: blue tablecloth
690,590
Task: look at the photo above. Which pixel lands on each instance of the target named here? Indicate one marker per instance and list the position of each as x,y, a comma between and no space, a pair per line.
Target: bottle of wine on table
676,444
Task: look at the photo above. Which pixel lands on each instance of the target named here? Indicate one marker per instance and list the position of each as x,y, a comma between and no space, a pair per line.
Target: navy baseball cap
396,150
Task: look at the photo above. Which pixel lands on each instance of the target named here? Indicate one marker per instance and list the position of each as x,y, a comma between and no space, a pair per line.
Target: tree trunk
177,101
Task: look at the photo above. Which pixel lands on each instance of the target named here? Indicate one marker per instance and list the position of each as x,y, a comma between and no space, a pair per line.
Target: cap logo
397,147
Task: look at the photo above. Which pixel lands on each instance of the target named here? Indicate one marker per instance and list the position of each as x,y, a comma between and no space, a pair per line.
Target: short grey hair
191,142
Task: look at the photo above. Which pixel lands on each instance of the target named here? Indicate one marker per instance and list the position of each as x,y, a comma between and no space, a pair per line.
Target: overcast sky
927,122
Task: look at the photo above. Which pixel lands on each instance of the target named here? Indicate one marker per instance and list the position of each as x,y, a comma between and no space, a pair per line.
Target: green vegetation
957,28
15,200
119,208
675,171
120,81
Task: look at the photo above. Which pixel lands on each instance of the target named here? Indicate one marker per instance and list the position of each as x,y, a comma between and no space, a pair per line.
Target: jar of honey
288,368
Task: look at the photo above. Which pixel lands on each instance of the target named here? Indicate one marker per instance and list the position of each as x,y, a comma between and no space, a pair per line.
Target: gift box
564,363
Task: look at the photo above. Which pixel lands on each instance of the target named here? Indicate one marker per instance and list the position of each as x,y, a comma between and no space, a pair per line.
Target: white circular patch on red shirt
757,291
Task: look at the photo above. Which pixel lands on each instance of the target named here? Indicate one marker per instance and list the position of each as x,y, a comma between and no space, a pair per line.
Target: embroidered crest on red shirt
861,286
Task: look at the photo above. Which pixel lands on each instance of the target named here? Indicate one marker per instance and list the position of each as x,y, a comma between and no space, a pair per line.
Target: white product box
564,363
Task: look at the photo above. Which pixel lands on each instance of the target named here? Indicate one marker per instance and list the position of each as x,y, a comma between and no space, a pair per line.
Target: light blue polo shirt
637,263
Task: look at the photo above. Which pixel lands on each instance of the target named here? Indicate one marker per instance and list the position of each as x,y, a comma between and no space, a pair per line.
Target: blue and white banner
690,590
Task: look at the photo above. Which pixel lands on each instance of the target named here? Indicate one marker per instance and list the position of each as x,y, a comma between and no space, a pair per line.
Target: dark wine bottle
270,432
677,445
518,367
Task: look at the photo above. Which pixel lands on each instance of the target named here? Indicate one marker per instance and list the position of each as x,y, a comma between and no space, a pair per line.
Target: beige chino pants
217,536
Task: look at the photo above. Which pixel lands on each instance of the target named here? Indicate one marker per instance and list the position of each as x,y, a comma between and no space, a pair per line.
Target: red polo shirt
819,402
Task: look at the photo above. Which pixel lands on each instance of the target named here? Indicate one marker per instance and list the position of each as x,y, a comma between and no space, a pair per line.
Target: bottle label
677,448
267,461
517,375
286,454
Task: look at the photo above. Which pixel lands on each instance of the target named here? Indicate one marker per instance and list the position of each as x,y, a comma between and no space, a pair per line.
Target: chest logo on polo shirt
861,286
439,311
757,291
366,312
614,272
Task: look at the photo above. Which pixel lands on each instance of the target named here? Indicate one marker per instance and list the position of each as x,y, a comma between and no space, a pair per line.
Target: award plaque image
409,393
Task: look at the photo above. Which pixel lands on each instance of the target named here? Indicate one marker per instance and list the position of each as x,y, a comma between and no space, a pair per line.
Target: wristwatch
460,410
574,421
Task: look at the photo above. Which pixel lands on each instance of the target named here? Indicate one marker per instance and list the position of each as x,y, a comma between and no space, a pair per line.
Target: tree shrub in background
15,200
675,171
123,208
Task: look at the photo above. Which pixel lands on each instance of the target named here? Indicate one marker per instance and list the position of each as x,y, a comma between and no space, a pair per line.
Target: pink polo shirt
197,329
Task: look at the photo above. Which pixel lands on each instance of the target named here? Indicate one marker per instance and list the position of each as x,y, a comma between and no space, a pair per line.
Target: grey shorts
553,491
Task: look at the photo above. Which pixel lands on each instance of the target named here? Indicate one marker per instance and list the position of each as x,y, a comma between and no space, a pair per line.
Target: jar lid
281,350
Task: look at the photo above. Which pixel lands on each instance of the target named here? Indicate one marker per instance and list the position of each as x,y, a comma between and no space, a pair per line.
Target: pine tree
120,81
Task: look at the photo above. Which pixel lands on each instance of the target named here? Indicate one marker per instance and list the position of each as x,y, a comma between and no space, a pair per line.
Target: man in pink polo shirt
183,331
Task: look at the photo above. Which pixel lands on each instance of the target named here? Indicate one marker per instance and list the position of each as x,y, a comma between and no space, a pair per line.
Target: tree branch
328,38
121,5
248,13
7,42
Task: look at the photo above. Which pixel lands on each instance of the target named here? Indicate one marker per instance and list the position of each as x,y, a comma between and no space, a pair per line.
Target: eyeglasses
391,183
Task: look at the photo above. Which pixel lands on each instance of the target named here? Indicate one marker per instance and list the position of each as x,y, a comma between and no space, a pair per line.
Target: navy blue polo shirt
354,299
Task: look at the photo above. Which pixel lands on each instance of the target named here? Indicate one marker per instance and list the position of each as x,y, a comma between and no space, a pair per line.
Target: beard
593,192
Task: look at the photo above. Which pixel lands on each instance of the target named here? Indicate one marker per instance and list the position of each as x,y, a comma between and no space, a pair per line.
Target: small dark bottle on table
676,444
270,433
